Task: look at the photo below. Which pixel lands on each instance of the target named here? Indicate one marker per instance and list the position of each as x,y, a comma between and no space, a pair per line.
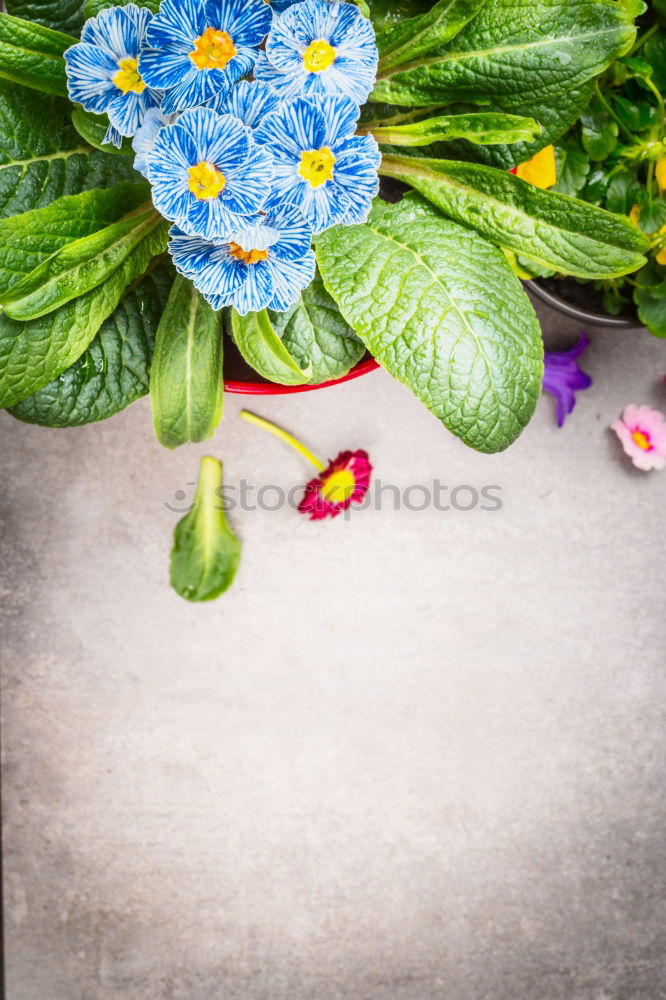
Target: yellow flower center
641,439
318,56
541,170
339,486
213,50
127,78
206,181
247,256
317,166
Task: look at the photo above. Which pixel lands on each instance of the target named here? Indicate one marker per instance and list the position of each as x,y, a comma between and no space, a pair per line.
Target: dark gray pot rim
583,315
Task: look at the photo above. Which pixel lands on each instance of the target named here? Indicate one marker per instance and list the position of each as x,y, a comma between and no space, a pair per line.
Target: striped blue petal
257,289
248,186
250,102
144,140
163,69
246,21
177,25
289,279
294,232
210,219
90,72
341,115
208,266
116,30
112,137
257,236
292,128
286,85
222,140
198,86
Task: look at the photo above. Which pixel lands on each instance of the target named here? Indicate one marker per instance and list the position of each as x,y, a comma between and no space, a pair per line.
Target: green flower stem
266,425
610,111
643,39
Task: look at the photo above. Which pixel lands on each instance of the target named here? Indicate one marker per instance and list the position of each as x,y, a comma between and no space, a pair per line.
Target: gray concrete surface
416,755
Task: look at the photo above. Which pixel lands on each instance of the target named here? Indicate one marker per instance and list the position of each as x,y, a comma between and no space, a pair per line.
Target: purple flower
562,377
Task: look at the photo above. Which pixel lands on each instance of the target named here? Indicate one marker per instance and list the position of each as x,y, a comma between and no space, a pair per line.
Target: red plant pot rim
271,389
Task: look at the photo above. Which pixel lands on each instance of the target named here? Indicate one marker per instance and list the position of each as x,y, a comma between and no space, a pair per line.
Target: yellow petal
635,215
661,174
541,170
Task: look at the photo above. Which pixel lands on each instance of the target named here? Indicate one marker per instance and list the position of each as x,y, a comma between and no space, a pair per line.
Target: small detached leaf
483,128
32,55
206,552
545,226
186,388
262,348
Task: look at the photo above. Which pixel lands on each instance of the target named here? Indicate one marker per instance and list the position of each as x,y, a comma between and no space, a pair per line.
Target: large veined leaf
317,336
440,309
34,353
263,350
32,55
384,13
206,552
516,49
481,127
409,39
114,371
42,157
28,239
186,377
552,229
63,15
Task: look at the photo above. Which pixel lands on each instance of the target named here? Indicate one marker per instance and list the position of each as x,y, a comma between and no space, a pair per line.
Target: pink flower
344,481
642,432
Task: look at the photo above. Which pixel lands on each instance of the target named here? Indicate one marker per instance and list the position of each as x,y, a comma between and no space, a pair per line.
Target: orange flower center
247,256
318,56
206,181
127,78
339,486
317,166
213,50
641,439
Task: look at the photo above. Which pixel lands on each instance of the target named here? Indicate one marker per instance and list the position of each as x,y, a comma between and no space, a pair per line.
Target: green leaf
484,127
32,55
406,41
384,13
550,228
598,132
28,239
63,15
515,49
650,298
573,167
115,369
206,552
441,310
655,53
78,267
93,7
93,129
652,215
41,155
555,117
186,389
34,353
624,191
316,335
263,350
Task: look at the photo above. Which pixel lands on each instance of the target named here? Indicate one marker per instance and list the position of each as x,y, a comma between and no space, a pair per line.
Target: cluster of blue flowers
250,151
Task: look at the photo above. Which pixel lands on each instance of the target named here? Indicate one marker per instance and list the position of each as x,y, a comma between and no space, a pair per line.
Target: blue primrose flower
144,140
102,69
208,174
320,165
250,102
201,48
320,47
263,265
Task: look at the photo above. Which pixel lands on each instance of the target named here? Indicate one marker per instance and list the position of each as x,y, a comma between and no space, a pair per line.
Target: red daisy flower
344,481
